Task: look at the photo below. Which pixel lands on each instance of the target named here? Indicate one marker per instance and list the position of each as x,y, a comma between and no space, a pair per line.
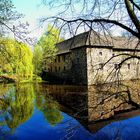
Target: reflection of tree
52,112
18,105
50,108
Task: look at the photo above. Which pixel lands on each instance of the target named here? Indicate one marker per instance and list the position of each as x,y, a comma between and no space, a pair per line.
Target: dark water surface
29,112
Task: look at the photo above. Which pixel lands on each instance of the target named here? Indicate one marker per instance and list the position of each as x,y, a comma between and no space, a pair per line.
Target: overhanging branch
132,15
107,21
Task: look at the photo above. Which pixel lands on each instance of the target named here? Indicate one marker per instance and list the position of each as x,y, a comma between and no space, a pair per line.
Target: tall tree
15,59
45,50
37,59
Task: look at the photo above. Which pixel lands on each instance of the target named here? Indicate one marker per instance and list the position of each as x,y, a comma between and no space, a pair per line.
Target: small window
55,60
55,69
64,68
58,58
101,66
78,59
100,53
64,58
128,66
59,68
113,54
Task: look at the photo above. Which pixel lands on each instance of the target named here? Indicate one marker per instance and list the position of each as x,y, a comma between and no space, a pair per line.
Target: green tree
9,52
45,50
38,59
15,59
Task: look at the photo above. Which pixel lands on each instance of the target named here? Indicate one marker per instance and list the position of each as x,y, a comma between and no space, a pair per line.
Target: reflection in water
52,112
72,97
29,112
17,105
50,109
128,129
108,101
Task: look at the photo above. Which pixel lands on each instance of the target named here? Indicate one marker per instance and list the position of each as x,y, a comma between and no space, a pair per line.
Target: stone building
89,57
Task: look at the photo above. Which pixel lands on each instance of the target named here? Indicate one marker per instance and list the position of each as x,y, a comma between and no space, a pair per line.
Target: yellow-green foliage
15,58
52,113
38,59
45,50
50,109
18,105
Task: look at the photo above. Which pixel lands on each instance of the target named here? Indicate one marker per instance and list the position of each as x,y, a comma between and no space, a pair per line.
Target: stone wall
61,63
59,70
85,65
69,68
107,97
97,57
79,66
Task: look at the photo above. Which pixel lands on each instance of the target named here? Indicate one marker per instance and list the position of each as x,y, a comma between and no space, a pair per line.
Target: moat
55,112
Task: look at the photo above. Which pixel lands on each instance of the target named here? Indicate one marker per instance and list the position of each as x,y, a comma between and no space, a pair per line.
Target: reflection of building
81,58
87,105
73,99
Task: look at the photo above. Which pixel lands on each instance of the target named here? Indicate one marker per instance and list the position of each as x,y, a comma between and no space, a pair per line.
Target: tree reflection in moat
48,106
17,105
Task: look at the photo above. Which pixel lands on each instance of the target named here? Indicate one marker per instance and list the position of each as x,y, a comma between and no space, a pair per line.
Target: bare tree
10,24
98,15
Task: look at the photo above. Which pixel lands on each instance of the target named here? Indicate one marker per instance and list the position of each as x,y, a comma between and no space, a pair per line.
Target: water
30,112
128,129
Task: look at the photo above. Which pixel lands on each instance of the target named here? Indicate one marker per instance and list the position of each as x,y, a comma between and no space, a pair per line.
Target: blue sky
32,10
